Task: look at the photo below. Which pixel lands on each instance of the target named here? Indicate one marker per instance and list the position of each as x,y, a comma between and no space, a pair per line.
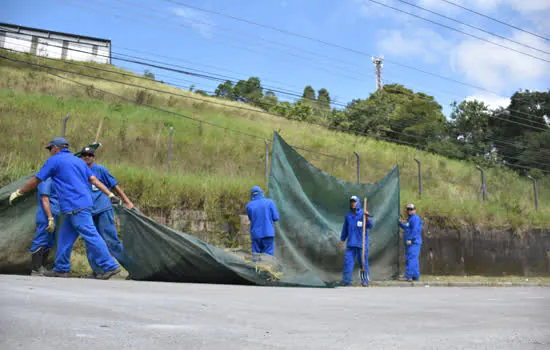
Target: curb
457,284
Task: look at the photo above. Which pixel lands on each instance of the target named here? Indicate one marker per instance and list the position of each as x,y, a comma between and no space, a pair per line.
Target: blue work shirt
101,200
70,176
412,229
352,229
262,214
45,188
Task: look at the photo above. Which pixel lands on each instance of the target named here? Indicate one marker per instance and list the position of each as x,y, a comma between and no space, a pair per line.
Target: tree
323,99
225,90
282,109
309,95
269,100
398,113
470,128
518,126
147,73
249,91
300,111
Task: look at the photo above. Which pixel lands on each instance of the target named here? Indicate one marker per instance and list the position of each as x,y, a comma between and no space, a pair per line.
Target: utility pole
378,64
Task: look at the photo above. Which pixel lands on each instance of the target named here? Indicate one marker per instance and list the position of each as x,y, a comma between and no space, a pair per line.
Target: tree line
517,136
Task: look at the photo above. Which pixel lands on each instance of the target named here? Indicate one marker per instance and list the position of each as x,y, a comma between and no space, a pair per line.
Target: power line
459,31
225,105
345,75
284,54
375,128
243,33
494,19
215,125
332,45
257,110
473,27
220,78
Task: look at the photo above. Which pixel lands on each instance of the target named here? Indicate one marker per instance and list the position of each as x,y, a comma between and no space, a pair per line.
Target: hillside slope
213,168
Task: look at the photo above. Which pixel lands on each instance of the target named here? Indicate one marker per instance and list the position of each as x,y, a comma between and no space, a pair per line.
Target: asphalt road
46,313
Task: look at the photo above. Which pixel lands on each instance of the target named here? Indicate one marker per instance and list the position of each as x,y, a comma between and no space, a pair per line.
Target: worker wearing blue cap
102,210
71,178
352,232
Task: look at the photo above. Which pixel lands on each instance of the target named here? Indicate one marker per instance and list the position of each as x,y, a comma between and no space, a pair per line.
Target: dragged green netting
312,206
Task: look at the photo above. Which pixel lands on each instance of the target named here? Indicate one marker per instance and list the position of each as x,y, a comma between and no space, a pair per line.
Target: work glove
409,242
15,195
51,225
114,199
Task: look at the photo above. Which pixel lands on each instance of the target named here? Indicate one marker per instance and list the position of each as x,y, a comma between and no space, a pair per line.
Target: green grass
212,168
518,279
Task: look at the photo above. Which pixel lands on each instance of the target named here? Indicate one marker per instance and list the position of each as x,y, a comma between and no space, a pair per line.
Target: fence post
483,185
419,176
535,191
358,167
266,173
169,150
64,125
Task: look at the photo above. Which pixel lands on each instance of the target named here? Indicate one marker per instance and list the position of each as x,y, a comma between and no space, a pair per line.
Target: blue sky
215,44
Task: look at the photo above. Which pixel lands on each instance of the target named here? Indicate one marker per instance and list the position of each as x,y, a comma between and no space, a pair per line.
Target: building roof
49,32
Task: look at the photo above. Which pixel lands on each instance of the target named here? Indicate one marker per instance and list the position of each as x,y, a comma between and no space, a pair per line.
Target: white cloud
423,43
492,101
497,68
523,6
196,20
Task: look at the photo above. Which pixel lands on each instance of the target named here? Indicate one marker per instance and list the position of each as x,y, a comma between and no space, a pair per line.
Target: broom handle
98,130
364,230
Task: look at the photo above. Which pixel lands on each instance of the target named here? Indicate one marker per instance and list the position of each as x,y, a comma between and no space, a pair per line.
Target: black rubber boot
45,256
37,258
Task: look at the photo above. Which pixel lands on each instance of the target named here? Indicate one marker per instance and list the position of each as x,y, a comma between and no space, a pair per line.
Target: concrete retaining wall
468,251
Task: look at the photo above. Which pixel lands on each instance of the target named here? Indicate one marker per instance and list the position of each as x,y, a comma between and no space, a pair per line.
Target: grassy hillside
213,168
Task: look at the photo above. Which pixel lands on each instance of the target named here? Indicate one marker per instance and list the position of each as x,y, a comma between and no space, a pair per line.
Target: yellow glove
51,225
15,195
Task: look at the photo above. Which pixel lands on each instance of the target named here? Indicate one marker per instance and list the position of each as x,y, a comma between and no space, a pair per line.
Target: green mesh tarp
312,206
152,251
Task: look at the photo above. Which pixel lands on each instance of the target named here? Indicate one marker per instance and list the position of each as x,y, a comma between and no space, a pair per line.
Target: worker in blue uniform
47,220
262,214
352,232
412,237
102,210
71,180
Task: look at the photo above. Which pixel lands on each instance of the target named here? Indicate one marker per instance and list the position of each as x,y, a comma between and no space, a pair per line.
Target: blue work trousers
353,254
412,268
43,238
263,245
81,223
105,224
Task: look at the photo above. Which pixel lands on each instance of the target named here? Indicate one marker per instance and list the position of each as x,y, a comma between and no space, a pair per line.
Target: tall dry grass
213,168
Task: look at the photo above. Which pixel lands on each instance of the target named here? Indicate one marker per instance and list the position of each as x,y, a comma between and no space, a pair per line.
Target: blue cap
59,142
354,198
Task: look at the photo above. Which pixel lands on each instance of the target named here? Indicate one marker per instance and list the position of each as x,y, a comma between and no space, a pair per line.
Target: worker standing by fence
412,237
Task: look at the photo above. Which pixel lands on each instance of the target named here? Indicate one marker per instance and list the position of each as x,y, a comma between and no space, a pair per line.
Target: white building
54,44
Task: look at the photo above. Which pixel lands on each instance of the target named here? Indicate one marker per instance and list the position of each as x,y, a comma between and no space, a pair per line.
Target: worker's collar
63,150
